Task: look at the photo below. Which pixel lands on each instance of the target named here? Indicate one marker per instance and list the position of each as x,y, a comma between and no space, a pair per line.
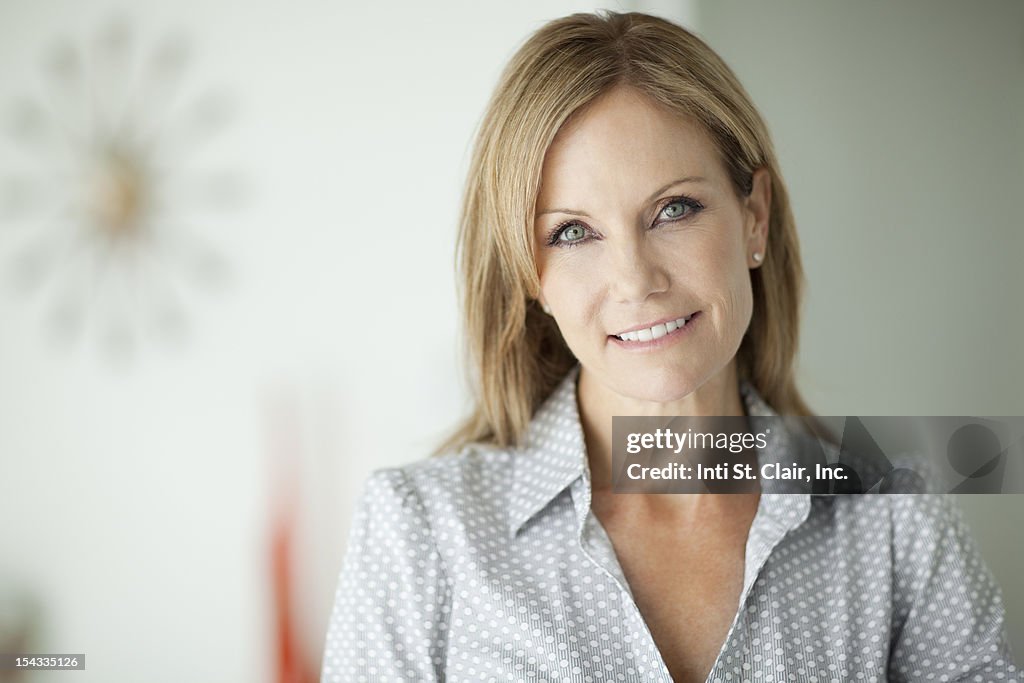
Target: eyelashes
556,238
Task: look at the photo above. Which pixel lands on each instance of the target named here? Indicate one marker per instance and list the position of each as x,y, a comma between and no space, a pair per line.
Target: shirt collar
554,455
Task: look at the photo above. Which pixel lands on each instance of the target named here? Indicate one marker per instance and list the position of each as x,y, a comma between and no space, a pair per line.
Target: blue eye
567,235
572,233
677,208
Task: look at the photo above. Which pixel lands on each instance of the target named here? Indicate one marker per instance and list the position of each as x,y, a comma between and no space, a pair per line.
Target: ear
758,206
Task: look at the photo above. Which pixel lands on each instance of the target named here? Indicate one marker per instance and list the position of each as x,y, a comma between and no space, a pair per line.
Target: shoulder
911,528
918,532
910,497
445,489
927,516
472,470
474,463
929,529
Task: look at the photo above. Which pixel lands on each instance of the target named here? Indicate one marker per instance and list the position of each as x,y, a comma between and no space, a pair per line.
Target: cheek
571,285
724,279
740,305
568,278
738,299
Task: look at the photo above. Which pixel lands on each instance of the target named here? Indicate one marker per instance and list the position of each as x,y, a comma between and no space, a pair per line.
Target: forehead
622,145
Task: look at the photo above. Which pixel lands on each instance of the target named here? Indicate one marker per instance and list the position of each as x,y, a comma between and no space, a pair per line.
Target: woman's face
638,227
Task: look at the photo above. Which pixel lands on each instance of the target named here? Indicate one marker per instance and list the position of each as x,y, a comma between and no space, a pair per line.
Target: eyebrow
687,179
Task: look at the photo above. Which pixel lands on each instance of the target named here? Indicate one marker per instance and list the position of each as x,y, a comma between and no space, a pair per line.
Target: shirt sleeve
948,621
390,616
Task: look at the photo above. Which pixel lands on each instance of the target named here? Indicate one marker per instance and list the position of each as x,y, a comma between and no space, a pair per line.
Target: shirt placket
597,547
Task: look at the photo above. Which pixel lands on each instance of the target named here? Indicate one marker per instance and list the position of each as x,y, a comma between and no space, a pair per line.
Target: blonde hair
515,352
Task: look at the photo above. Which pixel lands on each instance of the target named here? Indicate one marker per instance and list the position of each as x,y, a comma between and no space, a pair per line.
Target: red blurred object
292,666
293,660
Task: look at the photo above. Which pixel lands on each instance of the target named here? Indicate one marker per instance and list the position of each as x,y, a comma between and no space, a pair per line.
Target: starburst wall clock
108,215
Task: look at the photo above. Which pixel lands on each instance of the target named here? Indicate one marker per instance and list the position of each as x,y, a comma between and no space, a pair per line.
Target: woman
627,248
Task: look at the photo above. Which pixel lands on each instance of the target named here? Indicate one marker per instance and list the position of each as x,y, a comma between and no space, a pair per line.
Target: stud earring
757,257
545,308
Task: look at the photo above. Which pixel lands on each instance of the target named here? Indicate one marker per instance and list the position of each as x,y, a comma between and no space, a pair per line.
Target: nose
636,271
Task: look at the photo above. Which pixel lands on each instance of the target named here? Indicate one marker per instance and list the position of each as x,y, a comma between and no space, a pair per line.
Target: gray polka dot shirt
489,565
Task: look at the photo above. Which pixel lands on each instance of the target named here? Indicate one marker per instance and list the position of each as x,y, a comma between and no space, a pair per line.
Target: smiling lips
656,331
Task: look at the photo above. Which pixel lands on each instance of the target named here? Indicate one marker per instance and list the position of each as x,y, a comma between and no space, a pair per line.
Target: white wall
899,130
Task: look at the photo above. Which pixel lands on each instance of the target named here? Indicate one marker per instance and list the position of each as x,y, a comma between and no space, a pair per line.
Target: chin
668,379
662,386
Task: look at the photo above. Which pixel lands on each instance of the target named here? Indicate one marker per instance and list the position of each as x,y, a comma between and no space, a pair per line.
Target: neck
598,404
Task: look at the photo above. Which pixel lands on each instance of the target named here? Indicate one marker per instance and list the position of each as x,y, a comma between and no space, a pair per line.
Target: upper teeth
655,332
